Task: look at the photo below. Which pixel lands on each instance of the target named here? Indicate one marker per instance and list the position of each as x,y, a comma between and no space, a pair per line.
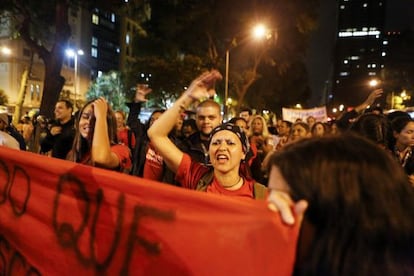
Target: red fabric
153,166
62,218
123,137
190,172
124,156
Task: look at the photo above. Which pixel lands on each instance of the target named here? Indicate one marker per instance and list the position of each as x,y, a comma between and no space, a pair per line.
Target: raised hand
374,95
100,108
142,90
203,86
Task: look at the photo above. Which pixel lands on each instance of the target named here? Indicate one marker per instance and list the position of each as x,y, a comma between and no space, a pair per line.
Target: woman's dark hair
361,207
302,124
325,128
374,127
399,123
150,119
234,120
81,146
190,122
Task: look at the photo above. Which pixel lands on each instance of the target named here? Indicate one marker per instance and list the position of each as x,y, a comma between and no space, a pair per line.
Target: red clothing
190,172
153,166
123,154
123,137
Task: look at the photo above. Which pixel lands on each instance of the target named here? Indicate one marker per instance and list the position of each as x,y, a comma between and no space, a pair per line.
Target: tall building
97,41
359,51
375,40
359,54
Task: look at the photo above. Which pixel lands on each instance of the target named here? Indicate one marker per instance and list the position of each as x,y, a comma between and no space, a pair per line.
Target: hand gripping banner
62,218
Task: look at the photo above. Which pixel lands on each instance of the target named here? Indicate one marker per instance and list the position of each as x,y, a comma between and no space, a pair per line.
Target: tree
44,26
110,86
177,29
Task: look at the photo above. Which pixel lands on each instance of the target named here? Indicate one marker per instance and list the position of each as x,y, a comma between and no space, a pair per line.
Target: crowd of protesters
348,182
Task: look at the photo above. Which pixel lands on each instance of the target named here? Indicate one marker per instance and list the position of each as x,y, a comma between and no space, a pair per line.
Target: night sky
399,15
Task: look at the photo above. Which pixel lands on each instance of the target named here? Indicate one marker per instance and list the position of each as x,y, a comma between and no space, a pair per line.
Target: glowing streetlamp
6,51
74,54
373,83
259,31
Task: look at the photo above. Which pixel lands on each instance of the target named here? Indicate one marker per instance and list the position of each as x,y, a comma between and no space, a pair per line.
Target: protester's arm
344,121
101,152
135,107
369,100
201,87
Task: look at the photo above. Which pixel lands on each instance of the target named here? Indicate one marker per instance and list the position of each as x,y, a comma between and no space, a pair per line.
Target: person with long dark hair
359,219
96,142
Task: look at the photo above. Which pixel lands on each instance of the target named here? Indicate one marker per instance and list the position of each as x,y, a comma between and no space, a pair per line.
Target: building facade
96,45
360,50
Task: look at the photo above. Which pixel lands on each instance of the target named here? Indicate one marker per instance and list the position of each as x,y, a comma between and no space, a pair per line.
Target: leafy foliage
206,29
168,78
44,26
110,86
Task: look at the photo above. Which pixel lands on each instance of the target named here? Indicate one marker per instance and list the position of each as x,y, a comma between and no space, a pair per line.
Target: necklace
235,184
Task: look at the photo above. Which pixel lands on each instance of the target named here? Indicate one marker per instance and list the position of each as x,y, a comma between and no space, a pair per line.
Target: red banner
62,218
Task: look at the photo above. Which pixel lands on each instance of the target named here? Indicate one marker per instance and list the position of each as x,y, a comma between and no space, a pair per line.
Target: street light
74,54
6,51
373,83
259,31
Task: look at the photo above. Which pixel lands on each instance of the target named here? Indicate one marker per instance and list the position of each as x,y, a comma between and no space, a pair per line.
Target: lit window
346,61
94,41
383,54
127,39
372,74
118,50
342,7
374,65
99,73
343,74
31,92
113,17
95,19
385,42
359,33
365,5
94,52
369,65
37,92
